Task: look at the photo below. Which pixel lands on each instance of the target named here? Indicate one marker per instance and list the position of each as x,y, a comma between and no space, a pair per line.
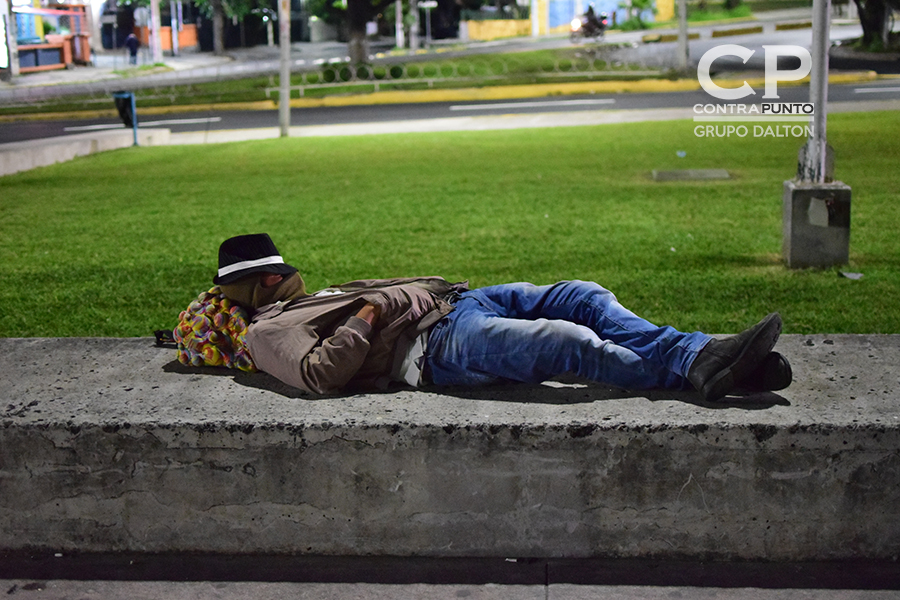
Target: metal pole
284,77
134,118
813,168
683,50
174,25
155,27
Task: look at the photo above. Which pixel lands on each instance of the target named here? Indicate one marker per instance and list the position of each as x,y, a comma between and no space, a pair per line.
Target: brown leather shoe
773,373
723,364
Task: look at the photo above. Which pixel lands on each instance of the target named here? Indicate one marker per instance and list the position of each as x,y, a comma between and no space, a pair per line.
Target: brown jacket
316,343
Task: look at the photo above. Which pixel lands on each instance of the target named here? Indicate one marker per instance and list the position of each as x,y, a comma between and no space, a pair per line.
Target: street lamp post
428,5
683,46
284,76
816,218
268,15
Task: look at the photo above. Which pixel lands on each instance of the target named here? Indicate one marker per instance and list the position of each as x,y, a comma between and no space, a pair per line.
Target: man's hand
369,313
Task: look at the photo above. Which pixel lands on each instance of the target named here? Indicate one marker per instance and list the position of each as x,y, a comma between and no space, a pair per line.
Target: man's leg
713,367
523,332
591,305
476,346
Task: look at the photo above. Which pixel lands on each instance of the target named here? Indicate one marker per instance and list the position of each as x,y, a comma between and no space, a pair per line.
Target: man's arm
295,354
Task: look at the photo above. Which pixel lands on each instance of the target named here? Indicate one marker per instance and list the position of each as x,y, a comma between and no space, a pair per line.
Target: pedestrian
132,43
427,331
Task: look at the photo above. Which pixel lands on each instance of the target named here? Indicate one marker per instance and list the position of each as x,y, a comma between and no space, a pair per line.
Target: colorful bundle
212,332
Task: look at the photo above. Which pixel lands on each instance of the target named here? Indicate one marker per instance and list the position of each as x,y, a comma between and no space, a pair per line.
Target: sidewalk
206,590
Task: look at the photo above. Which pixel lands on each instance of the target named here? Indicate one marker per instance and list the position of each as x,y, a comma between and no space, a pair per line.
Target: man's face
267,280
259,289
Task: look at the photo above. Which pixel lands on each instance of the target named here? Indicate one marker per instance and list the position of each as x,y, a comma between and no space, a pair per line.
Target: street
861,94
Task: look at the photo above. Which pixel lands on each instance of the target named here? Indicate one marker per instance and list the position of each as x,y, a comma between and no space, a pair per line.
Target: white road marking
537,104
876,90
146,124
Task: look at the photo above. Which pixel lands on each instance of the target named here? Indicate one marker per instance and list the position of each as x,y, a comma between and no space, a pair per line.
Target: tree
219,9
360,12
874,16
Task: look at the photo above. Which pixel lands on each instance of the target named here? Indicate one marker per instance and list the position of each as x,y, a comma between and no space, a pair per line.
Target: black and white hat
247,254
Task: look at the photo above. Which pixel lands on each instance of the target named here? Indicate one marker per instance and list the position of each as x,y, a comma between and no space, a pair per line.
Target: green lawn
118,243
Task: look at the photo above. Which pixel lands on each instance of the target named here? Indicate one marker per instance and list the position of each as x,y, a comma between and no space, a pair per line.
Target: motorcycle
584,27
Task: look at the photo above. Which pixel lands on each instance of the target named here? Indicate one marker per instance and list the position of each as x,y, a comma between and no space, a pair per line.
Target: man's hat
247,254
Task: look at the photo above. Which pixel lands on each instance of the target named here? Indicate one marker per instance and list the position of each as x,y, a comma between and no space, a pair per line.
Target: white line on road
876,90
146,124
541,104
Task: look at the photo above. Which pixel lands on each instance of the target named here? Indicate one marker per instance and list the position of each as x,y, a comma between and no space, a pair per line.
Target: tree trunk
357,15
218,20
871,17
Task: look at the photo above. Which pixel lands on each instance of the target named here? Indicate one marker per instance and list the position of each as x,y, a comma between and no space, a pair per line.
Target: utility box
816,223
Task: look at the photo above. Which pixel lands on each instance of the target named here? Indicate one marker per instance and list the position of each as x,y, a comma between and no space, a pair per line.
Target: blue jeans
522,332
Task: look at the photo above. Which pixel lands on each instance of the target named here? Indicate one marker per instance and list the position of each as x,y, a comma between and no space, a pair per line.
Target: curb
717,33
552,89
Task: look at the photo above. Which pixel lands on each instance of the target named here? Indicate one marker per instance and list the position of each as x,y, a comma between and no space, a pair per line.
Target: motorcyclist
592,21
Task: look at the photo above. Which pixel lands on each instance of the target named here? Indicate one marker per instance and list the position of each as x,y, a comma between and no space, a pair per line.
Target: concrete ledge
110,445
22,156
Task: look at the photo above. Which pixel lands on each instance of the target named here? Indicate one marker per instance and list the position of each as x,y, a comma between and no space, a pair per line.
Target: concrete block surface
111,445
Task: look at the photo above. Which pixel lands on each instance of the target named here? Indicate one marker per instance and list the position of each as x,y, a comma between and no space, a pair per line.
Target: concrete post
284,77
816,217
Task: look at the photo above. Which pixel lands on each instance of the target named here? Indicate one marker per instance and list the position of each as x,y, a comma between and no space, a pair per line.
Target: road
648,54
225,119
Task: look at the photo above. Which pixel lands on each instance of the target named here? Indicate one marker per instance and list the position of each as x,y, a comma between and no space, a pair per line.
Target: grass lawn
116,244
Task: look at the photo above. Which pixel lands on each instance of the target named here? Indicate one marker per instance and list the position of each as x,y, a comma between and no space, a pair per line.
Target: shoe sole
774,373
779,373
753,352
